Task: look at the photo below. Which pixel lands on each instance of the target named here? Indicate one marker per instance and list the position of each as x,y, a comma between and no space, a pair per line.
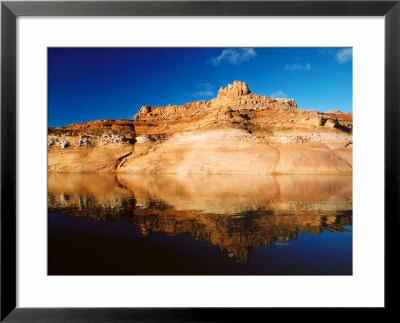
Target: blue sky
113,83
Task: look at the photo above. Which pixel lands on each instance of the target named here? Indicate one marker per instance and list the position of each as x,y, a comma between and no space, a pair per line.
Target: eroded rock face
241,132
64,143
97,128
236,132
96,146
236,97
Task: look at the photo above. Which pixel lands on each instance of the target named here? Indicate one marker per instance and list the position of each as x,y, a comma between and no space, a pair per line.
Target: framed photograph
197,160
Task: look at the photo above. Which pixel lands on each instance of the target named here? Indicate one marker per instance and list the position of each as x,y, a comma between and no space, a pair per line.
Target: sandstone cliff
96,146
241,132
237,132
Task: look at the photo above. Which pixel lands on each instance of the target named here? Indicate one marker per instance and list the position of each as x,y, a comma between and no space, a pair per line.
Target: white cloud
233,56
298,67
278,94
203,89
203,93
344,55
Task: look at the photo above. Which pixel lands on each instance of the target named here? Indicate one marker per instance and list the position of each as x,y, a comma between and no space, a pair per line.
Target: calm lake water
199,224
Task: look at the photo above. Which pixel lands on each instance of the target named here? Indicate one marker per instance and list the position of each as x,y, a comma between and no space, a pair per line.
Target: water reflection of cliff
234,212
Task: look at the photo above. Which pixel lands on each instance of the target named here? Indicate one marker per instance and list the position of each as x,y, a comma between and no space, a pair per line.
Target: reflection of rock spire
144,230
241,254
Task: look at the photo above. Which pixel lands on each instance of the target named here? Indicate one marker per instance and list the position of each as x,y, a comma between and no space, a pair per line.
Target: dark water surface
199,224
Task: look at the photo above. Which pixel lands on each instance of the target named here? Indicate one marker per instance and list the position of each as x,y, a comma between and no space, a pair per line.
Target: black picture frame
10,10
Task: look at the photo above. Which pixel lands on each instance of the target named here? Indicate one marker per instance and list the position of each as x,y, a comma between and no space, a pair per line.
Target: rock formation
236,132
241,132
235,90
96,146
